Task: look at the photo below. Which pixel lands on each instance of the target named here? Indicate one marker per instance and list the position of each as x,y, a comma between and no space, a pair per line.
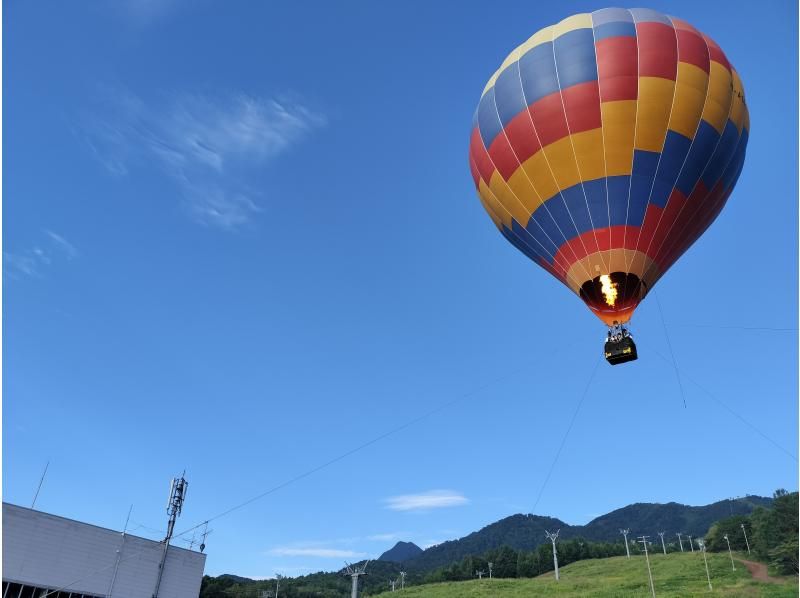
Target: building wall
45,550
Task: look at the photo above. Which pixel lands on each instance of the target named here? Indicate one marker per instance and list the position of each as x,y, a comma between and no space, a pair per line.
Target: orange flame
609,289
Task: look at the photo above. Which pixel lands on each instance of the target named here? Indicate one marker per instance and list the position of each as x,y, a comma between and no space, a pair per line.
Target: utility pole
490,570
729,551
278,578
691,545
402,579
355,573
745,539
177,494
702,546
625,533
553,538
679,540
643,540
663,546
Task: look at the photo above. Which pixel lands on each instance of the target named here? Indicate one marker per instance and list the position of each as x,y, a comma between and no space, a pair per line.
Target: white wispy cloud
33,261
433,499
209,147
67,248
319,552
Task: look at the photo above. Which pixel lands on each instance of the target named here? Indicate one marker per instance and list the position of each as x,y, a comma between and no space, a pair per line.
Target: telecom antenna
701,543
402,579
663,546
490,570
643,540
625,533
691,545
680,542
553,538
729,551
177,495
206,531
745,539
354,573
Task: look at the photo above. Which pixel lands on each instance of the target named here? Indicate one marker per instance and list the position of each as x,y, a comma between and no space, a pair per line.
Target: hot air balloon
603,147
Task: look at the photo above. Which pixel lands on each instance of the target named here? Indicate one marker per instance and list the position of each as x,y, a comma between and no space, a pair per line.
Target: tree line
507,562
772,533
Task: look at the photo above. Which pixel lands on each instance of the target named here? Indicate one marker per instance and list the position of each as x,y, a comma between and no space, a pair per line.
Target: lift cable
566,433
722,327
669,344
370,442
733,412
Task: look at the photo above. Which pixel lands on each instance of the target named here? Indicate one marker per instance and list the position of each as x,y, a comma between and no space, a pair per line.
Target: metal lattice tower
553,538
625,533
177,495
355,573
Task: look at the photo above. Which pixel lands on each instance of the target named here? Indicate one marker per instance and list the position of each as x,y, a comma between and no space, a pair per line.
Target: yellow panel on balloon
619,121
523,188
652,115
538,172
589,152
718,104
561,158
509,200
690,96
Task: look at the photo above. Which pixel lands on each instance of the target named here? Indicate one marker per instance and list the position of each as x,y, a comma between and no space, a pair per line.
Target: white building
48,555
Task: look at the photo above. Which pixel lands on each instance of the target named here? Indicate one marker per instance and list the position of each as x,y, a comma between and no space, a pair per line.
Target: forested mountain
401,552
520,533
526,532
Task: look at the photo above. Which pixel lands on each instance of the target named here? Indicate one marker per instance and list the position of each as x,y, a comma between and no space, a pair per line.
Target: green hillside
526,532
678,575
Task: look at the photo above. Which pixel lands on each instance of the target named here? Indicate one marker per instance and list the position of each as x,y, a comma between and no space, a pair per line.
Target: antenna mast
177,494
625,533
355,573
553,538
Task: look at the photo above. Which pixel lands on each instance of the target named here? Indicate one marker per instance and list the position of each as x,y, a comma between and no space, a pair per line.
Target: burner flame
609,289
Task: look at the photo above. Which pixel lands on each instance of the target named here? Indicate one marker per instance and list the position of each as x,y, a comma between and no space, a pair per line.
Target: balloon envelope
605,145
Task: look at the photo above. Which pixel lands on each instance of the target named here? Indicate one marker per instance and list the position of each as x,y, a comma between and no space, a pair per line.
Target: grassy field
675,575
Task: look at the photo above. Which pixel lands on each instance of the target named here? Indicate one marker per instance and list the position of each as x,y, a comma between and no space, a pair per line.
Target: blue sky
242,239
